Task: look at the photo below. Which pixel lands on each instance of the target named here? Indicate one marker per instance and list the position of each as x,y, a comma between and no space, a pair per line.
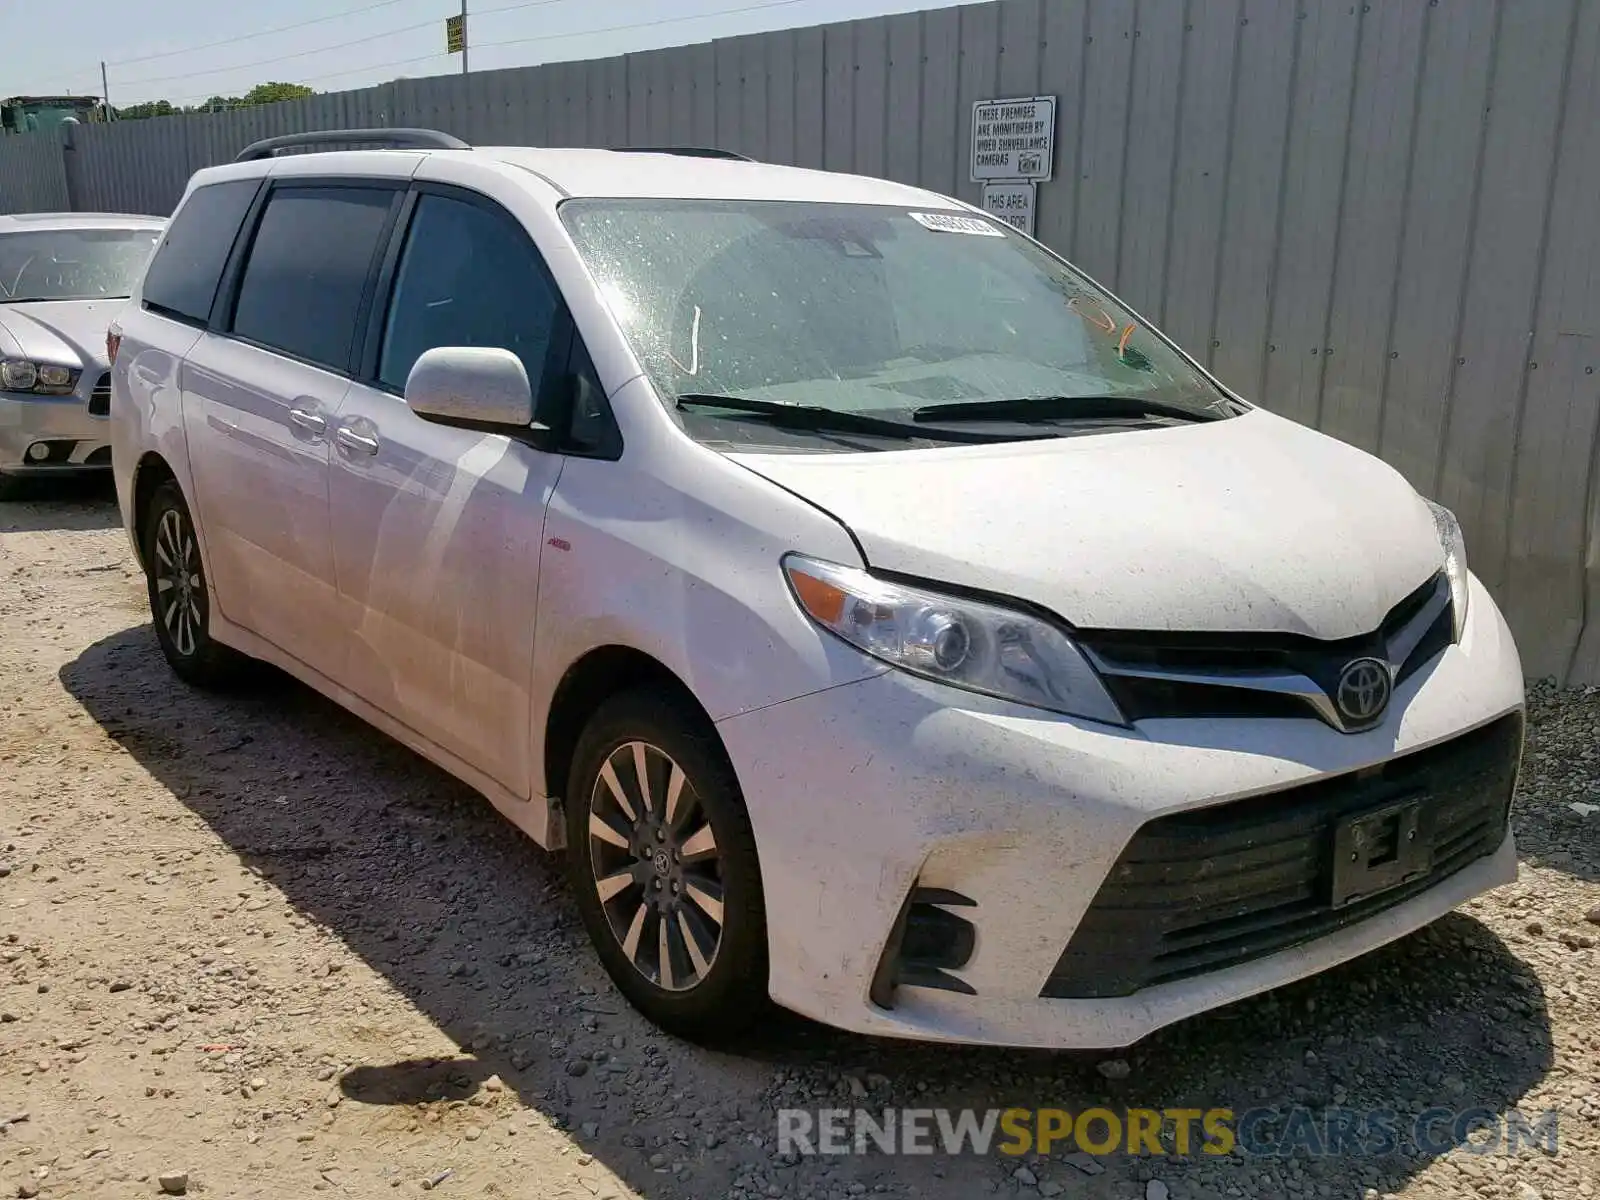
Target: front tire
180,599
663,866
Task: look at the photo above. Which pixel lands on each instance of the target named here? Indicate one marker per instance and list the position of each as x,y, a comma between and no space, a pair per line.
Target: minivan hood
58,331
1253,524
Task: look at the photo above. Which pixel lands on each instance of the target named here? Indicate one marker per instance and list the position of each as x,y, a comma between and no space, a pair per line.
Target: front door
438,531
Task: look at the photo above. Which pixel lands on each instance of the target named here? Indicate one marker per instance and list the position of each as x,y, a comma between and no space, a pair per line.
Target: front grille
100,398
1213,887
1217,675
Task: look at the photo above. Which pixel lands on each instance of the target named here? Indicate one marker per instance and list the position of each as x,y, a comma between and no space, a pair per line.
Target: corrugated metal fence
1378,218
33,176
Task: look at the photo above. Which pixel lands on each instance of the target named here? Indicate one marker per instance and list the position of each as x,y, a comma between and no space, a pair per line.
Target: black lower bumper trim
1210,888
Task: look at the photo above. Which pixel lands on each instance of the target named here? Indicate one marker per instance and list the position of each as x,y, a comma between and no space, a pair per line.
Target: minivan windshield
918,319
73,264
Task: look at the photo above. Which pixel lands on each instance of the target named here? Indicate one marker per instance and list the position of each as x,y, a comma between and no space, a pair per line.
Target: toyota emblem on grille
1363,691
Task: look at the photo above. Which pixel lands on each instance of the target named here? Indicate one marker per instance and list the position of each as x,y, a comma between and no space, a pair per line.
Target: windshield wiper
1057,408
55,299
815,417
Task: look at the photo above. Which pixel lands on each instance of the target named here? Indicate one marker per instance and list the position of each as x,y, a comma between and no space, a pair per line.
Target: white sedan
62,277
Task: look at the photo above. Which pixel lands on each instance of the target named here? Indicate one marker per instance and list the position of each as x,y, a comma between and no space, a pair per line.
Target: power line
524,4
549,37
552,37
244,37
721,12
262,62
404,62
306,79
484,12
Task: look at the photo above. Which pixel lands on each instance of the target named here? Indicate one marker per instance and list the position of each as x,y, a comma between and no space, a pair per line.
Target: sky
186,51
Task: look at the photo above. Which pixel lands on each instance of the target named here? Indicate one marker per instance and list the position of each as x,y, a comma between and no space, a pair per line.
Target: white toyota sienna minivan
885,619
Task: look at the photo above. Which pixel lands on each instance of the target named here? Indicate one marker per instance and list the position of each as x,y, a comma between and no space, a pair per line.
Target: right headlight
1455,562
966,643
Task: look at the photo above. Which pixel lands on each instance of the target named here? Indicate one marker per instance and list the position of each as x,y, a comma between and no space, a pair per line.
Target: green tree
271,93
150,108
262,93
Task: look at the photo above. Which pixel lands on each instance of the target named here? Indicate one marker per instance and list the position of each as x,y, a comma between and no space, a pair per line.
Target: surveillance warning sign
1014,139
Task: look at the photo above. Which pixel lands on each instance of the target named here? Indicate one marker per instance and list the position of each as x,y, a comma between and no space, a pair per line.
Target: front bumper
78,441
861,792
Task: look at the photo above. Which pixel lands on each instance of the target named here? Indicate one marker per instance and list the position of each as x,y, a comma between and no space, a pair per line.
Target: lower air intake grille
1207,889
929,941
100,398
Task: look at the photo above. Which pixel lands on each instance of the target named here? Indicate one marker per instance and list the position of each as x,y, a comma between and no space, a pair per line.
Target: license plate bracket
1376,851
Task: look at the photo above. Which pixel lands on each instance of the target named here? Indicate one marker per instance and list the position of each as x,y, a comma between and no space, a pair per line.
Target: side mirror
474,387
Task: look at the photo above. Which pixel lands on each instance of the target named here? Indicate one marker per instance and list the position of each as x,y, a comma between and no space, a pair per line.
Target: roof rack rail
388,139
686,152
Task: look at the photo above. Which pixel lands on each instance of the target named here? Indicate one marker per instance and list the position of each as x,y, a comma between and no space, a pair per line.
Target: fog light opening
926,943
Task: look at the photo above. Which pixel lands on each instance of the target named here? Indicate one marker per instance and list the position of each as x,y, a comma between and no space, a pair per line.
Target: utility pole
464,39
105,88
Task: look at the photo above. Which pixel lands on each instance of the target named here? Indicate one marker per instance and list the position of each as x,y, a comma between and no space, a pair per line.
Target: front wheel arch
594,678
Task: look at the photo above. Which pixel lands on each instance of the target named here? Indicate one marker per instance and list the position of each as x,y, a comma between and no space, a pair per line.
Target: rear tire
666,875
180,598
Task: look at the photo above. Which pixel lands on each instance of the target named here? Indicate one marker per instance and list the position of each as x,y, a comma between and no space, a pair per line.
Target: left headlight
1455,562
965,643
45,379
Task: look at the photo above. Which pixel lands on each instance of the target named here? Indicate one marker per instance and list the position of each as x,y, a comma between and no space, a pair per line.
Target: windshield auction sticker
953,223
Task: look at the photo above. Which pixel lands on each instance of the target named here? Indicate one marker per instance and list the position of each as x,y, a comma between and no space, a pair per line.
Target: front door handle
352,441
313,423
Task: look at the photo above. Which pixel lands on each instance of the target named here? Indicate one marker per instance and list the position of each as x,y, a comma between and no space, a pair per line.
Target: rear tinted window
302,285
182,278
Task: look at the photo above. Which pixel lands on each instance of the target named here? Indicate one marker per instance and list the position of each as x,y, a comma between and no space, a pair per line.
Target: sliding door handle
313,423
352,442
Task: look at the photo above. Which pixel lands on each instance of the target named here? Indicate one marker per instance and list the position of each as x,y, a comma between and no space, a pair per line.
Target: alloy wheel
656,866
180,591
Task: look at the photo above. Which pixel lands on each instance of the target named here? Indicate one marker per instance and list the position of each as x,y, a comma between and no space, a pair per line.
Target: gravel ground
253,944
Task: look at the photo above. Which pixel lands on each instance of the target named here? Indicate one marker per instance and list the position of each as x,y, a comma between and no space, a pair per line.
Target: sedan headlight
1455,562
46,379
965,643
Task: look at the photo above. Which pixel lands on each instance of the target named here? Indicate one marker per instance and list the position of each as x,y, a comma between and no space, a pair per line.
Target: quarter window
467,277
182,278
302,286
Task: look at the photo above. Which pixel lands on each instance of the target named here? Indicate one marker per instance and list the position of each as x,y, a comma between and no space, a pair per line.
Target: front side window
874,312
467,277
183,275
73,264
302,285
